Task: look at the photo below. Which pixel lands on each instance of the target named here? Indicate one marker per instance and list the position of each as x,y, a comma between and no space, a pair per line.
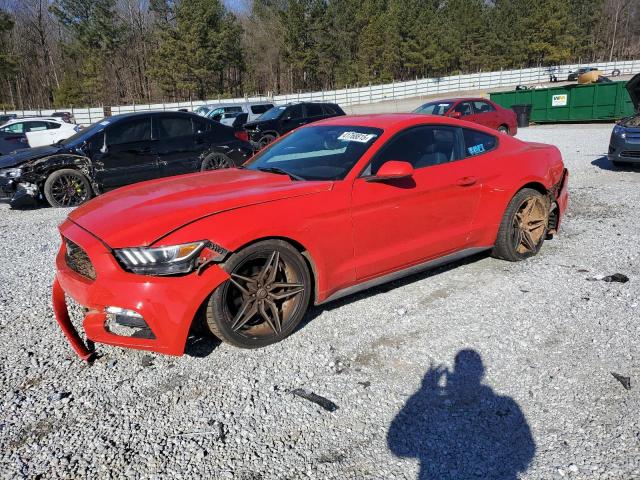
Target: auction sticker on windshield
356,137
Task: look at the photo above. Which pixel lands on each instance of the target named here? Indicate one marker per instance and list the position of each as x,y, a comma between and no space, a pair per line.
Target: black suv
118,151
284,118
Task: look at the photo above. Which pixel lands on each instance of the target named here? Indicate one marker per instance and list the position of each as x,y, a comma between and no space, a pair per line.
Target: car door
129,153
400,223
12,138
464,111
53,133
179,145
293,117
485,114
38,133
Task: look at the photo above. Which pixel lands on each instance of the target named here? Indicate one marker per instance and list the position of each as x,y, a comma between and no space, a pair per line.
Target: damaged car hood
19,157
140,214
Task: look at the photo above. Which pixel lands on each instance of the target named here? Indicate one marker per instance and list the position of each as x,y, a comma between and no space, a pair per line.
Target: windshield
317,153
434,108
272,113
85,133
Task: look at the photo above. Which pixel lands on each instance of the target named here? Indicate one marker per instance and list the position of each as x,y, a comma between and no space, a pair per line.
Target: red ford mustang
329,209
476,110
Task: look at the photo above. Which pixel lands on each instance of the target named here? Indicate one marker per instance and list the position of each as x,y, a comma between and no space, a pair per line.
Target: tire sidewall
218,315
57,174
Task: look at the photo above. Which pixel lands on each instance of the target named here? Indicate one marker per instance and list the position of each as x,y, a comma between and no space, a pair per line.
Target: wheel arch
539,186
43,167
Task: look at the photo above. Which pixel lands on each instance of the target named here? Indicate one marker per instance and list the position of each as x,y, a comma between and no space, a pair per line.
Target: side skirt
405,272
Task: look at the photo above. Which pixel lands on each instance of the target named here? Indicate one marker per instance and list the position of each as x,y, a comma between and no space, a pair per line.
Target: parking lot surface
483,369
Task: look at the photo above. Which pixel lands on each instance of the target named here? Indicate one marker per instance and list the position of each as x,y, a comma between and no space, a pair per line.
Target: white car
41,131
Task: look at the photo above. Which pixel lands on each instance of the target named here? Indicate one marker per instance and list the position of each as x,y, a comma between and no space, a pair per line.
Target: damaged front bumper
121,308
21,194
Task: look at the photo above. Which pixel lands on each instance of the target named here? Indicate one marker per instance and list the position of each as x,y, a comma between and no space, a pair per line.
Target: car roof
32,119
457,99
122,116
382,120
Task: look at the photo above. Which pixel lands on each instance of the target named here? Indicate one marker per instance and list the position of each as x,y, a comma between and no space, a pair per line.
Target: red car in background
329,209
476,110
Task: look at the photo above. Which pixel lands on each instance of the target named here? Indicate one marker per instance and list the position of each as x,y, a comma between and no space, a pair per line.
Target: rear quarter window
476,143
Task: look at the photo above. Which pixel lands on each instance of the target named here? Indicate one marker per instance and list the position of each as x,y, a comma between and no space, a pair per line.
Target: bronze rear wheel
524,226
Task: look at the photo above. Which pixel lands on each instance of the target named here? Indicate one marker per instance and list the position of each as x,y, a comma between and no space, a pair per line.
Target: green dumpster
572,103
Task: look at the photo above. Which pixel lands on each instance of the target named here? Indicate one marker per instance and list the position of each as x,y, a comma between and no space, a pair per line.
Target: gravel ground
485,369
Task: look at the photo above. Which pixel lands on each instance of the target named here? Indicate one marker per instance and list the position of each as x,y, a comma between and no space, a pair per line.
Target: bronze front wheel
265,298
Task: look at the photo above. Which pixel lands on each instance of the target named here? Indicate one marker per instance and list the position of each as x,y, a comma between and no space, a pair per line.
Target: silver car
226,112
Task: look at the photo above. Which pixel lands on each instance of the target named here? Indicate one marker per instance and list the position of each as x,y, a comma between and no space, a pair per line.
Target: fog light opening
127,323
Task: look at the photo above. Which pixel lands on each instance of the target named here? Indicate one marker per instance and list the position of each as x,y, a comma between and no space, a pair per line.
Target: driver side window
422,146
129,132
464,108
293,113
14,128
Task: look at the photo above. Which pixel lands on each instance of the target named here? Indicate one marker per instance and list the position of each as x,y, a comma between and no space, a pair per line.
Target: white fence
372,93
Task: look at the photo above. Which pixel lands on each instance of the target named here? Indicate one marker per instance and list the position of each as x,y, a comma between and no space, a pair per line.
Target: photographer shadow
462,429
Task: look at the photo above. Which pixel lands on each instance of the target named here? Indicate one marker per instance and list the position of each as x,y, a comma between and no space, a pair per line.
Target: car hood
633,87
24,155
143,213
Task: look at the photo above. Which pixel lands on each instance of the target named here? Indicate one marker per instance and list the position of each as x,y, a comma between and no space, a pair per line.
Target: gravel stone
482,369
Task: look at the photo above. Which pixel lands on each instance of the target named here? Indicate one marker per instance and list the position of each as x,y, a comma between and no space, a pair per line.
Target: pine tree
201,54
95,36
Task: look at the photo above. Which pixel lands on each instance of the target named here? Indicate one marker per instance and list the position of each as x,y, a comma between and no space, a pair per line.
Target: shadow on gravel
605,164
201,345
460,429
317,311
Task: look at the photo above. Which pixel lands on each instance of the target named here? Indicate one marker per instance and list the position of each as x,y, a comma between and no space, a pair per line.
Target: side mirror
456,115
392,170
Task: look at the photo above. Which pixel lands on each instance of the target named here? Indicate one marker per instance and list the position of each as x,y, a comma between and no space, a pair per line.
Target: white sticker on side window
356,137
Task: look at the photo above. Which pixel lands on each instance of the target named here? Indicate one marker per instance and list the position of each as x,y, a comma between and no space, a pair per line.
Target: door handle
467,181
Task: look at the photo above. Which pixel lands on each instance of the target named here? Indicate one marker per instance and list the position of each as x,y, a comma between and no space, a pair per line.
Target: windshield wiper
280,171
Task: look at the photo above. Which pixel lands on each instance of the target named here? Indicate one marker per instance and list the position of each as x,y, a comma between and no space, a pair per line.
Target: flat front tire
266,297
524,226
67,188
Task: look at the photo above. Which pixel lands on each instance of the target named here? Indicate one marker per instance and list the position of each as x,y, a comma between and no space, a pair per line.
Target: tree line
61,53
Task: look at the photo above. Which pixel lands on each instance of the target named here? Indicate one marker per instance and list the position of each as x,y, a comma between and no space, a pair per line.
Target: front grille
630,153
78,260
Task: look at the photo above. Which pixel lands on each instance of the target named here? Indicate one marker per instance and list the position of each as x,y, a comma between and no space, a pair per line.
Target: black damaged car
118,151
282,119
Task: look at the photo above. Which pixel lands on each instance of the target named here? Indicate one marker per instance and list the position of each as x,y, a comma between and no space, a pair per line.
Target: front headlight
11,172
171,260
619,131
